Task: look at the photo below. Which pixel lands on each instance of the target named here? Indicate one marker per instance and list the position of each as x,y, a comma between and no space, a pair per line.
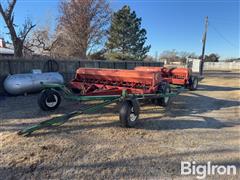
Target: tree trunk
18,48
84,52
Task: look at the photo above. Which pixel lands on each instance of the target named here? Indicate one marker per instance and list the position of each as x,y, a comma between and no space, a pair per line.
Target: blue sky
172,24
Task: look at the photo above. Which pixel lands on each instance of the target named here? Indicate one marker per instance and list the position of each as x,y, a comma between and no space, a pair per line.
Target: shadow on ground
191,105
217,88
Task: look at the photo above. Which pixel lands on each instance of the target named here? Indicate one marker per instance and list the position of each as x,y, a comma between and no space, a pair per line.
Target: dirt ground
199,126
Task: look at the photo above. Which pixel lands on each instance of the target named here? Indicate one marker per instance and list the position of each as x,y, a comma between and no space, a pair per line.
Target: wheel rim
166,99
52,100
133,116
195,83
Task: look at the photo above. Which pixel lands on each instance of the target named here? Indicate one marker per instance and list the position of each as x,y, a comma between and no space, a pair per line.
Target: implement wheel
193,83
164,101
129,113
49,100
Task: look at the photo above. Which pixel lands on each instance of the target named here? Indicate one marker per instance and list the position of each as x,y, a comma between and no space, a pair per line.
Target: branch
28,30
42,41
9,10
52,45
29,48
10,7
9,17
2,11
27,27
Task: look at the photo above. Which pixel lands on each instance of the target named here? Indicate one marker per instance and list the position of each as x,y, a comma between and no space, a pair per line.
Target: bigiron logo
202,170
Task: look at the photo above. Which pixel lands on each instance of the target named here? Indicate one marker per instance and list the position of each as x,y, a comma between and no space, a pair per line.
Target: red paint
178,76
92,81
141,80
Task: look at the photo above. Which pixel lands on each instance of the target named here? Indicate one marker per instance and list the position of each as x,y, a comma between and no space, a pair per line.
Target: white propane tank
30,82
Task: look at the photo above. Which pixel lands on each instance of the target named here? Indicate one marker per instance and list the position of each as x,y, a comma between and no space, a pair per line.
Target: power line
222,36
229,22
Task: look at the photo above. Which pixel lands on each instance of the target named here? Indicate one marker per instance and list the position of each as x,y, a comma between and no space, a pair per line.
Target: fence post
9,67
125,63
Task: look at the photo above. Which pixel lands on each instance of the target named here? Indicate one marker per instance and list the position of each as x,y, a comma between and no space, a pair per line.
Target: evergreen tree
126,37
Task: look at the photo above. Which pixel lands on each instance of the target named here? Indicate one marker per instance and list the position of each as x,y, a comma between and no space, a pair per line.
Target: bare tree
41,41
17,38
174,55
82,26
169,55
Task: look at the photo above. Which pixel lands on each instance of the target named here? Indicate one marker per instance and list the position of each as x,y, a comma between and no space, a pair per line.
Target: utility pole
203,48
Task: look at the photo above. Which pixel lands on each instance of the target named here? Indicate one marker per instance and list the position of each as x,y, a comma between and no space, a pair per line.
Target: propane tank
30,82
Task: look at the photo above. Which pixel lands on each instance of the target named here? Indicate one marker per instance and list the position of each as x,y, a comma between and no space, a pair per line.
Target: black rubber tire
193,83
128,108
164,101
44,97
